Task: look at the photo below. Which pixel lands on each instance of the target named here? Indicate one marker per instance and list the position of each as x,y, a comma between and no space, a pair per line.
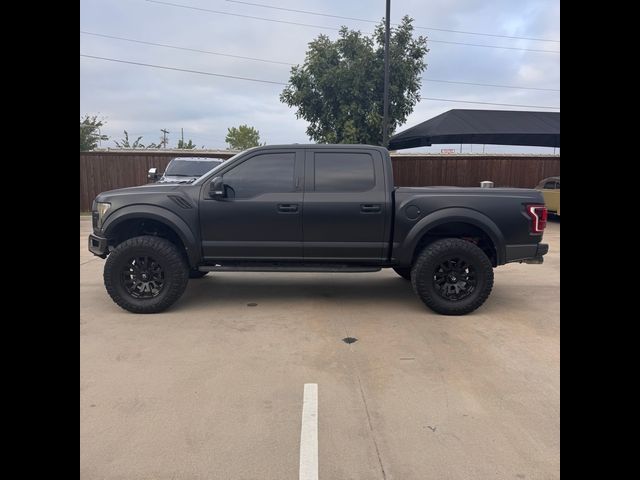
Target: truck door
345,205
261,216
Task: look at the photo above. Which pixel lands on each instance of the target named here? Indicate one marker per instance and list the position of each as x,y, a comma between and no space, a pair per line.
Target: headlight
102,209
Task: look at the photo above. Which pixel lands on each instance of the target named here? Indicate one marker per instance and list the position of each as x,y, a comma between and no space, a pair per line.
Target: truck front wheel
145,274
452,276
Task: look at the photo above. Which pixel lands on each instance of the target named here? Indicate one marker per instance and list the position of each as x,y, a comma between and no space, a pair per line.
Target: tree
186,145
181,143
124,143
339,88
90,132
242,137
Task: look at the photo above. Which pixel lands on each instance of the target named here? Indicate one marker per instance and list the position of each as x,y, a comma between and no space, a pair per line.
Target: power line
336,29
489,103
281,83
286,63
490,85
239,15
492,46
374,21
182,69
183,48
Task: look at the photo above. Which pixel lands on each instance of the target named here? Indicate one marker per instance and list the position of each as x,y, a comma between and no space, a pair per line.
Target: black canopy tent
496,127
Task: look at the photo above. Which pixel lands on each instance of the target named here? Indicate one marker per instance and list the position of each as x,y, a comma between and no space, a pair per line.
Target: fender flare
162,215
450,215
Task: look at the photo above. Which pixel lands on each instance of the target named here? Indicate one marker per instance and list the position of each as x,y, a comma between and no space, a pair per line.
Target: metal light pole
385,106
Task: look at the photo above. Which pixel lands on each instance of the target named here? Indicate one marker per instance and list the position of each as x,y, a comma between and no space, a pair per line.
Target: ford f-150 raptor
312,208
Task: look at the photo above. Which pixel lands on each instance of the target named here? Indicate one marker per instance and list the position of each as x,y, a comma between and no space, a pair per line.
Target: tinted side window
266,173
343,172
550,185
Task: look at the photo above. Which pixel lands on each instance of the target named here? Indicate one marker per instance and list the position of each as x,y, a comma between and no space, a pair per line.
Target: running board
283,267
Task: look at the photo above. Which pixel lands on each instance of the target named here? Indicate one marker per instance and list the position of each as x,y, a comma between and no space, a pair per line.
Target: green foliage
90,132
242,137
339,88
124,143
186,145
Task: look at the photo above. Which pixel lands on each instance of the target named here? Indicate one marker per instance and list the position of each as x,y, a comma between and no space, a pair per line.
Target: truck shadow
234,289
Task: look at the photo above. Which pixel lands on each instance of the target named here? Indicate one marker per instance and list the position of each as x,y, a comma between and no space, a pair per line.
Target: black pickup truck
313,208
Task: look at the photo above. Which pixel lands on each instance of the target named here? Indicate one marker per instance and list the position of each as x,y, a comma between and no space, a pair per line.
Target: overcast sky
144,100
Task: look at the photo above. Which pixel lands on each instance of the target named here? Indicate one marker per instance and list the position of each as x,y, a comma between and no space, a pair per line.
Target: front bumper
98,246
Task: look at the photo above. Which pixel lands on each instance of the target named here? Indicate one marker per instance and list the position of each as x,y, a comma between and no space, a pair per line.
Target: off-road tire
172,261
428,263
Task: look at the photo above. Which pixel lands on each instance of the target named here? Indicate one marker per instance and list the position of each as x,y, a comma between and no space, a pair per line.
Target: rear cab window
343,172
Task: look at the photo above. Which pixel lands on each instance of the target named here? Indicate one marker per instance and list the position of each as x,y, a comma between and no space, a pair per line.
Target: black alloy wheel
143,277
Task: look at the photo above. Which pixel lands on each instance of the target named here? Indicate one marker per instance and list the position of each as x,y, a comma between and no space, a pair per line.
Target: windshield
184,167
201,179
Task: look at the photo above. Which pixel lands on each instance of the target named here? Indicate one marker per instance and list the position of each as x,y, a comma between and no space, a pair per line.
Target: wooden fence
469,170
107,170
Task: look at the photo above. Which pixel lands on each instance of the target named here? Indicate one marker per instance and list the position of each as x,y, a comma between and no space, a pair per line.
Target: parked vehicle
550,189
184,169
313,208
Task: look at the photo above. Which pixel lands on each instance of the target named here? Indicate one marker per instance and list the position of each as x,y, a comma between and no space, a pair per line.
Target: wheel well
462,230
144,226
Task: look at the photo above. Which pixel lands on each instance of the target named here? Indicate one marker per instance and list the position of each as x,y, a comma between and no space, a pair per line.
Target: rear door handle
287,207
370,208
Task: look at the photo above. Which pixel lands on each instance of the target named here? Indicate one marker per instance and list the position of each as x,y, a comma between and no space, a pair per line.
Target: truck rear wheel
145,274
452,276
404,272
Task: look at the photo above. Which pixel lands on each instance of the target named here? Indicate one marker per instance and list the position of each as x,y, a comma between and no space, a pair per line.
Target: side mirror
152,174
216,188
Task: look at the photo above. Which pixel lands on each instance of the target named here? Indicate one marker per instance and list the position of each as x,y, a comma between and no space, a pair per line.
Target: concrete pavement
213,388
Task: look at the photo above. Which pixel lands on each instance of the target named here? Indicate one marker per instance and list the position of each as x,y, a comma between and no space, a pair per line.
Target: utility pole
165,132
182,135
385,104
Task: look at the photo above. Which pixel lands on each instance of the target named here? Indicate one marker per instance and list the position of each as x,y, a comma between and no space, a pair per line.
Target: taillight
538,215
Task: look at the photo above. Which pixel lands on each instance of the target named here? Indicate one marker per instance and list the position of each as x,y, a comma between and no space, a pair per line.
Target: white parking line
309,433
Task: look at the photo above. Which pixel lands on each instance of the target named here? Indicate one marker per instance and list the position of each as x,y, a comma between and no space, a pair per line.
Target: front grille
94,220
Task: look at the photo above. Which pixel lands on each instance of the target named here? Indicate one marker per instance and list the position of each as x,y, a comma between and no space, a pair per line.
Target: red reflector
538,215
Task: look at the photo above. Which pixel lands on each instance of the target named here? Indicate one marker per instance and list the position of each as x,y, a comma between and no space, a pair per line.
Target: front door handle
287,207
370,208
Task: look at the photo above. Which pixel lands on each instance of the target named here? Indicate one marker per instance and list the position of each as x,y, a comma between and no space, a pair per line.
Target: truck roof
328,146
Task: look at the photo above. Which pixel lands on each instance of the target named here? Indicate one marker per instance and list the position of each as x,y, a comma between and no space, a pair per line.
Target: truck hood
171,179
151,188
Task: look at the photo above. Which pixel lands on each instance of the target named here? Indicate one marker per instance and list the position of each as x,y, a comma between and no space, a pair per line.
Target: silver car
184,169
